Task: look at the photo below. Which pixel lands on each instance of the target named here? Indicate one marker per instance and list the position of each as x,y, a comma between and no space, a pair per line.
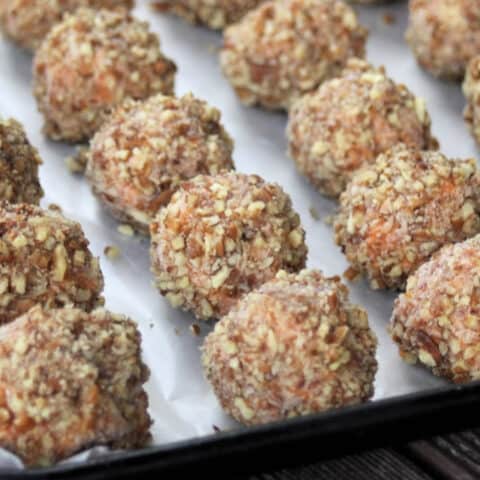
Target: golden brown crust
436,321
28,22
349,121
44,259
397,212
222,236
70,380
215,14
19,162
276,53
294,346
444,35
90,63
142,153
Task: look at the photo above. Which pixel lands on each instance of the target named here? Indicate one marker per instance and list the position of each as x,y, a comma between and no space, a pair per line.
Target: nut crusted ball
294,346
349,121
216,14
444,35
471,90
70,380
222,236
91,62
285,48
142,153
395,213
437,319
44,259
27,22
19,163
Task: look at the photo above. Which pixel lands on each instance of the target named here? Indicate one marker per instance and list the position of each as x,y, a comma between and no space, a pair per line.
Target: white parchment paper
181,402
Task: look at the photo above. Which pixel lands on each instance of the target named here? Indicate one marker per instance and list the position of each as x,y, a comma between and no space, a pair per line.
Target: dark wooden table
450,457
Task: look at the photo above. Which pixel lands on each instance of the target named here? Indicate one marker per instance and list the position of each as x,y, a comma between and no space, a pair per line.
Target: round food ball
27,22
471,90
44,259
142,153
294,346
216,14
349,121
395,213
91,62
71,380
222,236
444,35
437,320
285,48
19,163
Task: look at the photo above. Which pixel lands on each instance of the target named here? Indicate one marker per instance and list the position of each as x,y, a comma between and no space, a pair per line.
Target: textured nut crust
395,213
91,62
70,380
471,90
349,121
294,346
27,22
19,163
44,259
216,14
222,236
276,53
437,320
444,35
142,153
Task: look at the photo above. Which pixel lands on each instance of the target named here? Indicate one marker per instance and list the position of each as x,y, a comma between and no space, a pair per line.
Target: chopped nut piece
74,165
54,207
112,252
292,347
351,274
195,329
314,213
389,18
126,230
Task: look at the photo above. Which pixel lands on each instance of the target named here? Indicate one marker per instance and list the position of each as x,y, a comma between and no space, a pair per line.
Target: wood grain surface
449,457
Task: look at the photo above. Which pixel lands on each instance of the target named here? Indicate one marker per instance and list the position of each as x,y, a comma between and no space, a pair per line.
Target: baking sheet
181,402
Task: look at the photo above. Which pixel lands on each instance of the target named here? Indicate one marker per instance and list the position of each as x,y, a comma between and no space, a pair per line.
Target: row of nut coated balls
226,245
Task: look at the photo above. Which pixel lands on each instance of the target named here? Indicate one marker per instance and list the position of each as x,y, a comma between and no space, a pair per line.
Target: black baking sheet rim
287,443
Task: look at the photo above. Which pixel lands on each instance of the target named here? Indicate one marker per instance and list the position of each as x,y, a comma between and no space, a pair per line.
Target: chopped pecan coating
44,259
398,211
70,380
285,48
437,320
294,346
90,63
222,236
